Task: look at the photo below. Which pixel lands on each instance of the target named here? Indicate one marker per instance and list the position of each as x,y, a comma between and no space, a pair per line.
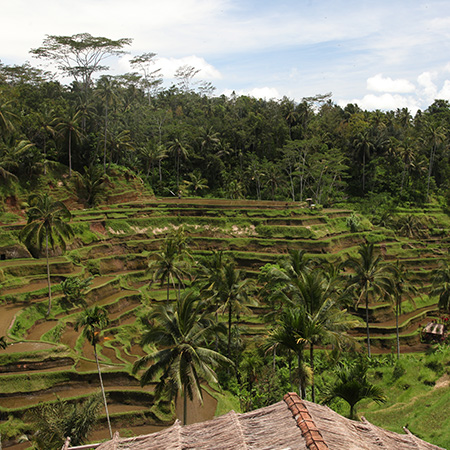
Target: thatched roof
293,424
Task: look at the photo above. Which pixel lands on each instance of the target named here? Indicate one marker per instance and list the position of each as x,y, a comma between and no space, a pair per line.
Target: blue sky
380,54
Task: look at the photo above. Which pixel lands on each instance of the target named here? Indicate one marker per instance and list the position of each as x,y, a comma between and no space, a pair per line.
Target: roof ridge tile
312,435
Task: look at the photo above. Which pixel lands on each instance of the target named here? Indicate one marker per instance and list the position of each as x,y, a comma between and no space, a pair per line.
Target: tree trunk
290,370
103,391
352,412
49,283
311,363
104,139
430,170
397,311
70,152
184,405
367,325
230,312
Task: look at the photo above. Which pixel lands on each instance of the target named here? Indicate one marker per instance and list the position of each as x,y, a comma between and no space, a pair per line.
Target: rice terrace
168,256
47,359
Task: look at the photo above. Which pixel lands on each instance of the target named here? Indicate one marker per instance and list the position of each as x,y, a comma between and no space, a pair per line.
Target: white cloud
385,102
378,83
429,89
444,93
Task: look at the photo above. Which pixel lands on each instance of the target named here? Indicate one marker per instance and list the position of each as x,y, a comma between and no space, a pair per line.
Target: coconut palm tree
93,320
107,93
46,226
324,322
363,146
184,362
231,291
441,285
69,125
290,326
370,278
401,288
180,149
61,419
168,265
436,136
352,386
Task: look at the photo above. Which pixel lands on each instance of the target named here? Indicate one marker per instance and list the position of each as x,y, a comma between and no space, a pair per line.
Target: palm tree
370,278
436,135
231,292
45,121
70,125
291,325
181,329
56,421
47,225
325,322
180,149
93,320
401,288
168,265
153,154
441,285
364,145
352,386
7,117
88,186
197,182
106,91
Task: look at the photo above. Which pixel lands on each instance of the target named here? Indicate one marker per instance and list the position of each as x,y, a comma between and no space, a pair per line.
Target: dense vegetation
179,287
183,138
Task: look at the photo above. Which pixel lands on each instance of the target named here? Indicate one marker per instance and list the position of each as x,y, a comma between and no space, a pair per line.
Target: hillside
113,243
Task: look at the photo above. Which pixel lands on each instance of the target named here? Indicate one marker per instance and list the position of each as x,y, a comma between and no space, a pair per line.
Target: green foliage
354,223
55,421
74,290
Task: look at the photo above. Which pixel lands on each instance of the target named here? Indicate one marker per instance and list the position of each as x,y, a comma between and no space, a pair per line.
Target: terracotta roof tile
312,435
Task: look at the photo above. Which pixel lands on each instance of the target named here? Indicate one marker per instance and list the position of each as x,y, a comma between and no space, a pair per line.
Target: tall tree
325,322
107,92
181,330
401,289
290,326
231,291
46,226
441,285
93,320
436,135
370,279
69,125
168,265
80,55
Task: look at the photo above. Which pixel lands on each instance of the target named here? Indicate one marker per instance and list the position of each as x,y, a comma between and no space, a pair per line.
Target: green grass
414,399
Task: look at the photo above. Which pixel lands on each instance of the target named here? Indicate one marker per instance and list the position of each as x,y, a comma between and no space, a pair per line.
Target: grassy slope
419,399
422,405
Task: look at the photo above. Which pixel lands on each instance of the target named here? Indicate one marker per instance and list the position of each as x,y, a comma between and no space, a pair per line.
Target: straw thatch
293,424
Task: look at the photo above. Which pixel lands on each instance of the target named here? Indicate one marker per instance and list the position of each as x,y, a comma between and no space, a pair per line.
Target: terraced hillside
47,358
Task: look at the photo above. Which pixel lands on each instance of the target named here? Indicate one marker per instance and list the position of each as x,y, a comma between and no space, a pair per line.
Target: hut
433,332
293,424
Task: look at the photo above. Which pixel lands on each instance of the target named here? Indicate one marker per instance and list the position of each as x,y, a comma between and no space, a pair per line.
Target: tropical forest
169,253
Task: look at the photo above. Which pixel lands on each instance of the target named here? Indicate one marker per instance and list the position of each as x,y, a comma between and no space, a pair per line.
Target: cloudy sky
380,54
